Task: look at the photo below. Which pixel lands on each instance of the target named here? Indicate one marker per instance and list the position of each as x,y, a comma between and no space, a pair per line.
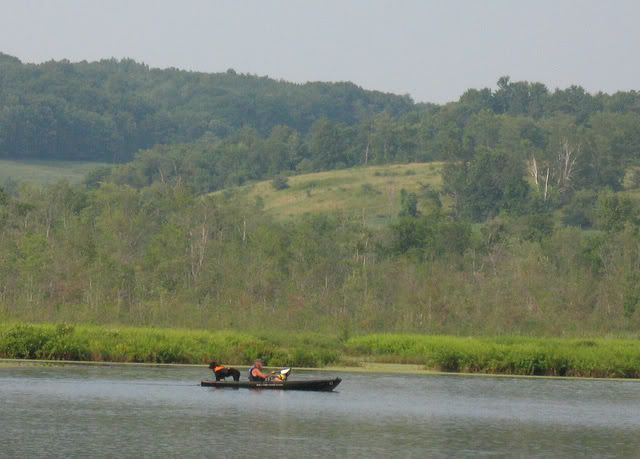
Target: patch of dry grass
371,193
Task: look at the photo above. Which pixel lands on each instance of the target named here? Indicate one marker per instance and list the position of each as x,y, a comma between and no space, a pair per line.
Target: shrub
65,347
280,182
24,341
579,211
613,210
448,359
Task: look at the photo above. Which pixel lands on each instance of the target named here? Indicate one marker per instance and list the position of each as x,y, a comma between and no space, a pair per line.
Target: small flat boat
321,385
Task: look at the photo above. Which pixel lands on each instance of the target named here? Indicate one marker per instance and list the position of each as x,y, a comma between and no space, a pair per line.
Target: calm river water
160,412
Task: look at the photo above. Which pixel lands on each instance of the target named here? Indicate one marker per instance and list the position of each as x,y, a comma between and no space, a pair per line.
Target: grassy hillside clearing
371,193
44,172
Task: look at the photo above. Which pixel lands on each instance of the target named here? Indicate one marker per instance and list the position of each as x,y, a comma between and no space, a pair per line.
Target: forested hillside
161,255
107,110
227,128
516,210
565,140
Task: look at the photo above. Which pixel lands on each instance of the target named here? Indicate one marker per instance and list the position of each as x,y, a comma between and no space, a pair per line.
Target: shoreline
374,368
515,356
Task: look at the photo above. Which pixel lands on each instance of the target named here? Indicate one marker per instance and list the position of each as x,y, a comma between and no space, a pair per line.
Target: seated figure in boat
256,374
221,372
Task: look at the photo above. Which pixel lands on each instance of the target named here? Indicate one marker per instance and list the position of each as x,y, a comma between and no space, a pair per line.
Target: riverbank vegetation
152,345
506,354
501,355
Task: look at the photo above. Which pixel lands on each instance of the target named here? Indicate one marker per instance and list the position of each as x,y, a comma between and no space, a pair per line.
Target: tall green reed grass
506,355
128,344
599,357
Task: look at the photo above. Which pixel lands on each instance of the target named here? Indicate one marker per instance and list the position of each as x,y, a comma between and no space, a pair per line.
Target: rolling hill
372,193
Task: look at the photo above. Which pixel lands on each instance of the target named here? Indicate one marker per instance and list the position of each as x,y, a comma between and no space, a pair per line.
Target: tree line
162,255
562,141
111,109
108,110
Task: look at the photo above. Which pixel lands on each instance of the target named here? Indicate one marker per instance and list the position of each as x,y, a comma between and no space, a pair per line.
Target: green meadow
371,193
44,172
578,357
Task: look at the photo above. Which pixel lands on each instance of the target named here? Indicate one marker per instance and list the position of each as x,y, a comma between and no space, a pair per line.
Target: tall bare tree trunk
366,152
533,171
566,163
546,185
198,249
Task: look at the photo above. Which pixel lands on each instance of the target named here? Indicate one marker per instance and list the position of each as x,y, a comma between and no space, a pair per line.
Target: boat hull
316,385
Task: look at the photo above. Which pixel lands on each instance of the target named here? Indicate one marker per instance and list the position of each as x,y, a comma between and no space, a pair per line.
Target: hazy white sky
432,50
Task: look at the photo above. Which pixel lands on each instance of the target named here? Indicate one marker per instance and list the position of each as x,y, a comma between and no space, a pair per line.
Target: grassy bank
606,358
500,355
128,344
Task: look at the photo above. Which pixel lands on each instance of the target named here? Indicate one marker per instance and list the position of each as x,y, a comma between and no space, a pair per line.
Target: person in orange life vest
221,372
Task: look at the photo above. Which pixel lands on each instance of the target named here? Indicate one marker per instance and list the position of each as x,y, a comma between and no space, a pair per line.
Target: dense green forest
534,230
228,128
107,110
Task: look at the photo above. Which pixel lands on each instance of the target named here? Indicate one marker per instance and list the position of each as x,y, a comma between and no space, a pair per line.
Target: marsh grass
506,355
600,357
129,344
